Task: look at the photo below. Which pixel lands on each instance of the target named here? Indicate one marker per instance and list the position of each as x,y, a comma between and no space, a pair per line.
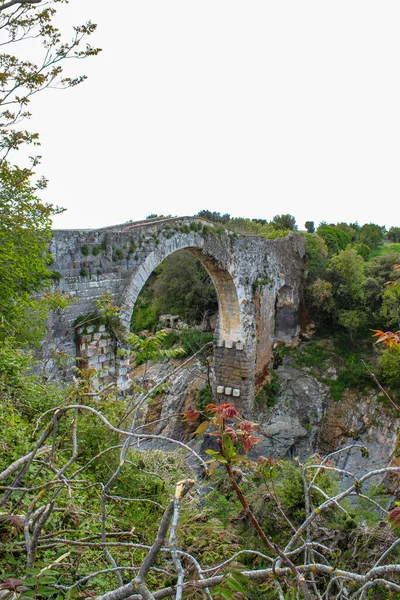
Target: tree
363,250
394,234
25,220
372,235
309,225
335,238
347,276
381,268
216,217
284,222
21,79
183,287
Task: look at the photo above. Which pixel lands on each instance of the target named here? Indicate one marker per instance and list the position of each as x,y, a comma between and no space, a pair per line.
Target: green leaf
46,591
48,579
228,447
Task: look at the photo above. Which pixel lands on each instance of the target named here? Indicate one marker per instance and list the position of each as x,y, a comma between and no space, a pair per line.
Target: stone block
220,343
228,391
228,344
236,393
220,389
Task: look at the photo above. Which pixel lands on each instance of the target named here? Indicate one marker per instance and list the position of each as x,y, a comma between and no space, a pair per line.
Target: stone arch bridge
258,284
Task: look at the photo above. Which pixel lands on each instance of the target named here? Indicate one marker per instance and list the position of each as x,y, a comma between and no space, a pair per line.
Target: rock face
304,419
292,427
361,419
163,413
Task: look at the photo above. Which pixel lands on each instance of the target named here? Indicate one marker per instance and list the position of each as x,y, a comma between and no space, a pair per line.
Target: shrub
192,340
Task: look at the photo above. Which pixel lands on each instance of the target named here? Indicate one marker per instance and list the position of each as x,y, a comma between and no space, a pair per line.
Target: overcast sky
253,108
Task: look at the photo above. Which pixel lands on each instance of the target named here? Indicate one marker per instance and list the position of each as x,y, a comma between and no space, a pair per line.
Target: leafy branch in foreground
20,78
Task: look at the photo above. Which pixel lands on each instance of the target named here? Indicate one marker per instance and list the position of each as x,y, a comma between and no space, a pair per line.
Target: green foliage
192,340
22,79
284,222
372,235
290,488
24,236
394,234
277,233
381,267
310,227
312,354
335,238
85,250
150,346
390,310
216,217
363,250
316,257
352,320
180,286
347,275
389,366
184,288
117,254
204,397
268,394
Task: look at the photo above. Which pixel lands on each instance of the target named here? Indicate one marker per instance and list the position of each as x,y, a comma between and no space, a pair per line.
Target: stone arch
229,328
232,367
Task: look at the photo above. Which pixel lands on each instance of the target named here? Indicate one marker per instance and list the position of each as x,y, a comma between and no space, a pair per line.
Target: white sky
253,108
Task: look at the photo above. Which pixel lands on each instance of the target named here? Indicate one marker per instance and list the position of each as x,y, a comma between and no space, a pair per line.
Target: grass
384,249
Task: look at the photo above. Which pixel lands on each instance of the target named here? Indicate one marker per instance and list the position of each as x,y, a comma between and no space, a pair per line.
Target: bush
192,340
268,394
389,365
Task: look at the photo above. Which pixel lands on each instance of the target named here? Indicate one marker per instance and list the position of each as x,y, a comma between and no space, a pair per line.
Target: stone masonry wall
255,280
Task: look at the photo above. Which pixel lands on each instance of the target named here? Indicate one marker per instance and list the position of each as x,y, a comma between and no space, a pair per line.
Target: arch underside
229,322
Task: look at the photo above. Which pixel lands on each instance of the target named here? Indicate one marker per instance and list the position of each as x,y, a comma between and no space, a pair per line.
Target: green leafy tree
381,269
284,222
25,219
363,250
24,256
351,232
316,257
347,278
216,217
390,310
21,79
389,365
183,287
372,235
352,320
309,225
394,234
335,238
